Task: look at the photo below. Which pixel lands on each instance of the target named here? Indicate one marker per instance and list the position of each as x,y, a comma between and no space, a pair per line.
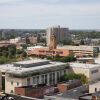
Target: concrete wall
87,72
94,87
11,83
51,79
47,52
34,92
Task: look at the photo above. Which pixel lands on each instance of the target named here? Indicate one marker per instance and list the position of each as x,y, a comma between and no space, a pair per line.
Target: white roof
35,47
37,68
83,65
10,68
31,61
86,58
81,47
97,60
96,84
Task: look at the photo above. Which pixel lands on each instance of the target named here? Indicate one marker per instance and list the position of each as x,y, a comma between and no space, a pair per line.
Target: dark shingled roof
16,97
75,93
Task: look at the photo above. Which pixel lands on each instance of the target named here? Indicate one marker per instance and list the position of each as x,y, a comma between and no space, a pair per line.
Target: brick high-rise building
60,34
53,42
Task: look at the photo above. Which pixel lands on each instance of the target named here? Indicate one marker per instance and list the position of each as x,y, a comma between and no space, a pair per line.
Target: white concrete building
16,40
91,71
34,47
95,87
32,72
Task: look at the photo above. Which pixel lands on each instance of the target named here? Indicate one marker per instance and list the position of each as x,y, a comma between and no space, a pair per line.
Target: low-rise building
15,40
82,50
45,51
64,87
89,60
95,87
34,91
32,72
91,71
72,94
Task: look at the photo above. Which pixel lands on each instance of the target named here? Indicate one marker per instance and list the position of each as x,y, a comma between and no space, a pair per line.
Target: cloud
49,10
20,12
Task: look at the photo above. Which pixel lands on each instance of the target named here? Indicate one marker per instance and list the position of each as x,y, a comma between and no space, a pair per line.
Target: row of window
54,52
13,83
44,78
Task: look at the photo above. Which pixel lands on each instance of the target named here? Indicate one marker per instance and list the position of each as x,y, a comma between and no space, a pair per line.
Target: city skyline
35,14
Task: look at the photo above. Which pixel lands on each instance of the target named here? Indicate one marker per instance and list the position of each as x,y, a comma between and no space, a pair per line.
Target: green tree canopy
71,76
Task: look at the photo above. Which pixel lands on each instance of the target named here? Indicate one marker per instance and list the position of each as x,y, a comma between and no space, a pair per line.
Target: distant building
88,60
82,50
45,51
15,40
60,34
6,44
31,40
53,44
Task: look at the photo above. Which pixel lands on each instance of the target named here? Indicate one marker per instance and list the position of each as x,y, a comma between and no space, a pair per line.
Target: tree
25,46
5,53
12,51
82,42
68,59
62,59
67,41
71,76
24,54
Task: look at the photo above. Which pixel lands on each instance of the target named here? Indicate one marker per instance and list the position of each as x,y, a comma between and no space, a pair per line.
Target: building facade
44,51
60,34
32,73
91,71
82,50
95,87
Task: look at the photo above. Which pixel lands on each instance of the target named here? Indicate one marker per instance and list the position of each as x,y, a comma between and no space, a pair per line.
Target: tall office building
60,34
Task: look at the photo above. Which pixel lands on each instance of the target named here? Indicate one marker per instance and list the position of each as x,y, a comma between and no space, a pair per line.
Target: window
37,79
17,83
43,77
3,73
95,89
11,91
94,71
11,82
28,81
34,82
46,78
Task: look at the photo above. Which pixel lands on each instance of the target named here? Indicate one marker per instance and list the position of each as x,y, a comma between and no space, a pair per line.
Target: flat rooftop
96,84
85,58
36,67
81,47
75,93
18,97
72,94
31,63
83,65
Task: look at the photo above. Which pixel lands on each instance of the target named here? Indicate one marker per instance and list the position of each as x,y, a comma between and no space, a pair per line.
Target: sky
39,14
